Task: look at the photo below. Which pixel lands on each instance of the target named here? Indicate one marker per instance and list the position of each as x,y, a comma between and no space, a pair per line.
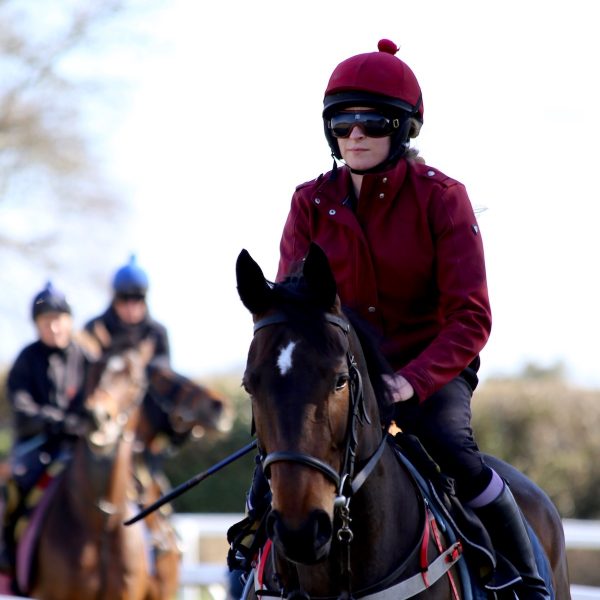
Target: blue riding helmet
130,279
49,300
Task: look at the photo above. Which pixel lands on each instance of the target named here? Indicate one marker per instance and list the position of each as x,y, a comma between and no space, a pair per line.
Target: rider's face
131,310
54,329
360,151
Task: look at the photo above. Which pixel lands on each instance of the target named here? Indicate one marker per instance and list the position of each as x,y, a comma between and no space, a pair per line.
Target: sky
222,121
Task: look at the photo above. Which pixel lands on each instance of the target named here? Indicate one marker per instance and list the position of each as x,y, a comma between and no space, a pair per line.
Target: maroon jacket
409,259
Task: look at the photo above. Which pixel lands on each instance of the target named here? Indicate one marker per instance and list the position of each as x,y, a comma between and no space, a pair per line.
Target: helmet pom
387,46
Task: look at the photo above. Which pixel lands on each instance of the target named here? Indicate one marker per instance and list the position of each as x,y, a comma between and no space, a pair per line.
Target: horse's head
189,408
307,401
117,388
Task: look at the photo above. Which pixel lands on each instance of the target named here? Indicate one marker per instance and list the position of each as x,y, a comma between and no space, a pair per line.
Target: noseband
345,482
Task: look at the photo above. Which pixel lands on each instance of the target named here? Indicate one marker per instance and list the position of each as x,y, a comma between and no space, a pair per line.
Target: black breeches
443,424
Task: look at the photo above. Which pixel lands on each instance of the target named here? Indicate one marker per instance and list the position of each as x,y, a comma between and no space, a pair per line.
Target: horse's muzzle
307,544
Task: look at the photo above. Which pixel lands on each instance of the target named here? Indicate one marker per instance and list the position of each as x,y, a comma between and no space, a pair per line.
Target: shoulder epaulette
427,172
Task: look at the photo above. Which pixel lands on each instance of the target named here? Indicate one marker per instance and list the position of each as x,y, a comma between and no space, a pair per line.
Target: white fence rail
204,534
198,531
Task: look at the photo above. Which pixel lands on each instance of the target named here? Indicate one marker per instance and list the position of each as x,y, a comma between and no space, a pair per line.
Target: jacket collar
338,187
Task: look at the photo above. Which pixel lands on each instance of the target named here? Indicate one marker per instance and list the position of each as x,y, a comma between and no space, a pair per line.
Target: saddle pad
472,588
28,540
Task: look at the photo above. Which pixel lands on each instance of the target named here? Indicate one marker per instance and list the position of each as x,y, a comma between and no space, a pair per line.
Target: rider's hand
75,425
52,414
400,388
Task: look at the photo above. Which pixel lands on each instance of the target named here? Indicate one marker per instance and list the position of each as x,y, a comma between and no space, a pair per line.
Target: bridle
345,481
120,420
348,483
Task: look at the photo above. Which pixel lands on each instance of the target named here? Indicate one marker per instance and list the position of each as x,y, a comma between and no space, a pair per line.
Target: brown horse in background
181,409
347,519
85,552
176,409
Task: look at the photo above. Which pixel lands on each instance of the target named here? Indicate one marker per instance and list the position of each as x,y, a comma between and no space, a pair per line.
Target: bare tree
48,171
63,88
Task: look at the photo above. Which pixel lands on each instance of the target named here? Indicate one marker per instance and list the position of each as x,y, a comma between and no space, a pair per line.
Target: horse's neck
98,485
145,432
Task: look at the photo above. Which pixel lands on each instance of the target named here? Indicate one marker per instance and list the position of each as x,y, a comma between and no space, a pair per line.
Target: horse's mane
377,364
294,299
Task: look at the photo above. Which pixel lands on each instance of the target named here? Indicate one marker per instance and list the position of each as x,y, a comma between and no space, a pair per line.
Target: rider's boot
248,536
504,522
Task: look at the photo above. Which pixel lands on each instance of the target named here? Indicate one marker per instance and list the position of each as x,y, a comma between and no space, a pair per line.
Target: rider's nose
357,132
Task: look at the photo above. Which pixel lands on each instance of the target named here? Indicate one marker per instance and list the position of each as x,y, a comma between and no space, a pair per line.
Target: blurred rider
45,389
407,256
127,320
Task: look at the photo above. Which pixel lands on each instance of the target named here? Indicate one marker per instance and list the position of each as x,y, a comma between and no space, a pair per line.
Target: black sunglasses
374,124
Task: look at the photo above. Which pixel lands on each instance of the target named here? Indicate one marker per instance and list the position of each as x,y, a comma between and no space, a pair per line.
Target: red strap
424,562
440,547
262,560
44,481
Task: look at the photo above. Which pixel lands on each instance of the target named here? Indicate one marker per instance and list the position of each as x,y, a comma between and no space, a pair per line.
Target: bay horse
180,409
175,409
84,551
346,519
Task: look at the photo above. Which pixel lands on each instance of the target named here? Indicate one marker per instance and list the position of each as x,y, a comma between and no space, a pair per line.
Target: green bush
225,490
548,430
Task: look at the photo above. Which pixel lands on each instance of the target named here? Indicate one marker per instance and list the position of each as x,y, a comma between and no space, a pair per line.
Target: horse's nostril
323,527
308,543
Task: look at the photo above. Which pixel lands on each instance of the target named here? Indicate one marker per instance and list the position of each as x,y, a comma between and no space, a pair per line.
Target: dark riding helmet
130,279
382,81
49,300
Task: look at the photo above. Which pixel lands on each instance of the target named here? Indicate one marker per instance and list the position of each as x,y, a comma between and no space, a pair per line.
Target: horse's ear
319,277
253,288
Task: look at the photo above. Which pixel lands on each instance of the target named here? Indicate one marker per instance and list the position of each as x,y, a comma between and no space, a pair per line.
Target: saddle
487,568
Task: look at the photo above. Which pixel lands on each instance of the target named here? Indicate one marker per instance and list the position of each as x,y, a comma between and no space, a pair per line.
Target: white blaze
284,362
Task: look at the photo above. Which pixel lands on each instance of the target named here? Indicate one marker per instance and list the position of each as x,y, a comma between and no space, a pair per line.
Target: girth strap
403,590
416,584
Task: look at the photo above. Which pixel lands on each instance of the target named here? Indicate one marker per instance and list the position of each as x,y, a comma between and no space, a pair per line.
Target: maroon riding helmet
379,80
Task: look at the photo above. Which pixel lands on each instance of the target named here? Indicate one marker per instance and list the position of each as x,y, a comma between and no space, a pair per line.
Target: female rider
406,251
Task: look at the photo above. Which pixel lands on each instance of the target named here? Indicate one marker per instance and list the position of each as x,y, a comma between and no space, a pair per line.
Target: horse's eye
341,382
